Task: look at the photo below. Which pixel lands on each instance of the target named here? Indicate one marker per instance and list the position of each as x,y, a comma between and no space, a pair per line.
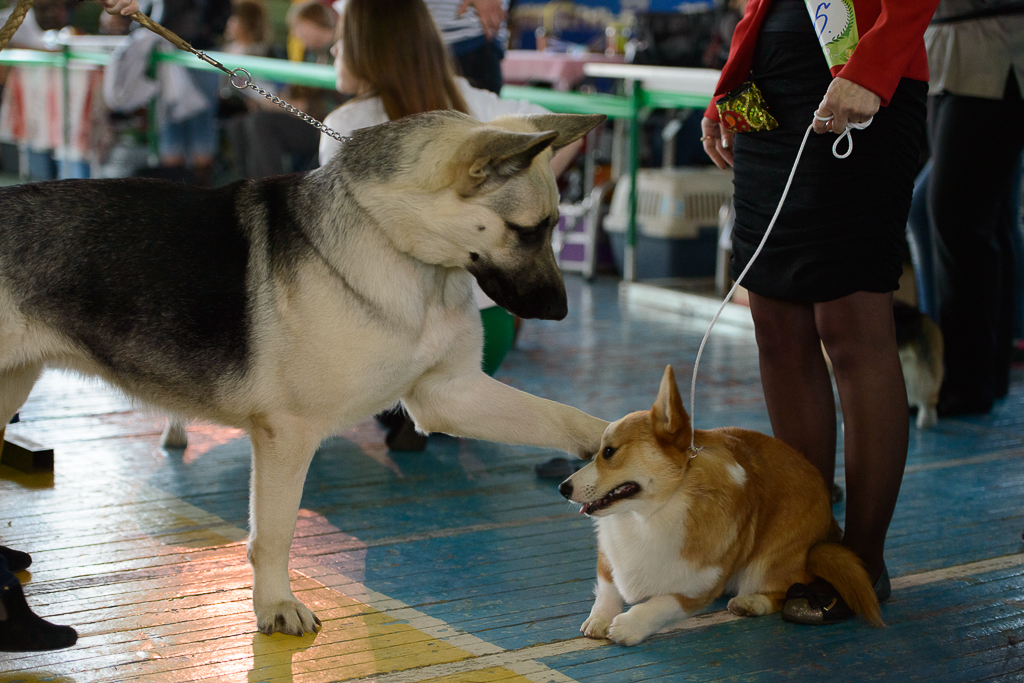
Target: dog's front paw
174,435
590,443
751,605
628,630
596,626
288,616
927,416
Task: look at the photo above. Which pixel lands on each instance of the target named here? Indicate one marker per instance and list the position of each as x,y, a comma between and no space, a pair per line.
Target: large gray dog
295,307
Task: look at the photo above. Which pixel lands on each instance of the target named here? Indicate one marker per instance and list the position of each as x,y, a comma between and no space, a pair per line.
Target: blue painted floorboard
465,532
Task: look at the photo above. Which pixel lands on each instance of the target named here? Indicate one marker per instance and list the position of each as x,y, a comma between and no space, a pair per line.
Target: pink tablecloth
32,111
562,70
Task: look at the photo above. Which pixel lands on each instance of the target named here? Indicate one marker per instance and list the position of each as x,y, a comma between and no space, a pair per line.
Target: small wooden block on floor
26,455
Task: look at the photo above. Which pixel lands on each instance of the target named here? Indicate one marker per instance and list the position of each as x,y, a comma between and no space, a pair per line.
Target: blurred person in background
192,143
266,140
314,25
391,59
976,58
247,31
470,29
21,629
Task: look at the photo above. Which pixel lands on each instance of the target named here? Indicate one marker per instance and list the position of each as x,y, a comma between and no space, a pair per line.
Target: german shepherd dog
295,307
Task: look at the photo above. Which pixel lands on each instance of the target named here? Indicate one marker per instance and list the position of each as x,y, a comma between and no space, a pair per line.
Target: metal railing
629,108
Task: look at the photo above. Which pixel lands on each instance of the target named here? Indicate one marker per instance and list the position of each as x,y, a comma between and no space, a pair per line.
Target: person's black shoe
954,406
837,493
815,603
17,561
392,417
819,603
403,436
22,630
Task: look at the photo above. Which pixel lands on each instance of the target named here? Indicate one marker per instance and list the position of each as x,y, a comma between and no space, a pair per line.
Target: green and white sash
836,26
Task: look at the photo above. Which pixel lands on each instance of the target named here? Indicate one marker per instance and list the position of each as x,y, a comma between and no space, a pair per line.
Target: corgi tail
841,567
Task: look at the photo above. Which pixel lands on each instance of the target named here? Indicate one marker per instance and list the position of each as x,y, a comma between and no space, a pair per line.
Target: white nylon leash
850,126
771,224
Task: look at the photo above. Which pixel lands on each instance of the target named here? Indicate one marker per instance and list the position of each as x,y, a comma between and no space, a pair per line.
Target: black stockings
859,335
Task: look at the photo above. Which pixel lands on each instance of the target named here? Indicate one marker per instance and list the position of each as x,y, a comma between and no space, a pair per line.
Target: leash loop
768,231
850,127
244,83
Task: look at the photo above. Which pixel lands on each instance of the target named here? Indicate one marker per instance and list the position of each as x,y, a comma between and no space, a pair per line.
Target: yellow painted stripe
175,607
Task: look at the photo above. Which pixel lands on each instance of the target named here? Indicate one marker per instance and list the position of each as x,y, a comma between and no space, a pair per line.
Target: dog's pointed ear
669,418
497,155
570,127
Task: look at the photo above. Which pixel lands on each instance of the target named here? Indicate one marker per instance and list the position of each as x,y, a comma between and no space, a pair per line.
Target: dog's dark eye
608,451
473,256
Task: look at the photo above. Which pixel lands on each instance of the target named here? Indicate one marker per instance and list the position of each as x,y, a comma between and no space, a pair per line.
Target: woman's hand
717,142
846,102
490,12
123,7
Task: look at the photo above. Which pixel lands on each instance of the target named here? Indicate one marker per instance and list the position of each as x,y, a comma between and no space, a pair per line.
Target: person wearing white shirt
391,58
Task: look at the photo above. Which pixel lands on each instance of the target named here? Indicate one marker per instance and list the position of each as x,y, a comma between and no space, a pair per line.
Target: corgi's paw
751,605
927,416
288,616
596,626
628,629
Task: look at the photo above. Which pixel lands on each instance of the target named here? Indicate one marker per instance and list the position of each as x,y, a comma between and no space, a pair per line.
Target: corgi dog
676,528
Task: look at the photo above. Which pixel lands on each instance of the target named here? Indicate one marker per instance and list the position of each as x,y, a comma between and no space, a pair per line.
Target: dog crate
677,217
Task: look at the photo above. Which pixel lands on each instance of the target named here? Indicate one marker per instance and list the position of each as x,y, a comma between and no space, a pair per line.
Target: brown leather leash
14,21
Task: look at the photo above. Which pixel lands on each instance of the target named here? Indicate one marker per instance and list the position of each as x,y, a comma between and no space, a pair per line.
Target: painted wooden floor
458,564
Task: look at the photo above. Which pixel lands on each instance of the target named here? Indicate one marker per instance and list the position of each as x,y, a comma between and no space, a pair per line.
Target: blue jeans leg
919,239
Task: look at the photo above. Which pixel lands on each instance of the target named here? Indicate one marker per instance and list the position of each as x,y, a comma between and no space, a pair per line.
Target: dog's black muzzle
528,295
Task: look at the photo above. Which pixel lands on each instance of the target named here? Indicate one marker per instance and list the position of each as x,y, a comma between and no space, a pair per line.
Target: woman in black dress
827,273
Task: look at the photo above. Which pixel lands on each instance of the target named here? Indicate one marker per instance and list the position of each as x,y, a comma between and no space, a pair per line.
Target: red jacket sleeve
892,48
741,53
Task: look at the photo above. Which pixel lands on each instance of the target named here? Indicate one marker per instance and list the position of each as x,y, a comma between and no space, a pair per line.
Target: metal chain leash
247,83
239,78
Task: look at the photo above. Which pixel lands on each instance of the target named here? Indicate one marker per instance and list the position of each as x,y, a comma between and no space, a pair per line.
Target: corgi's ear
669,418
495,155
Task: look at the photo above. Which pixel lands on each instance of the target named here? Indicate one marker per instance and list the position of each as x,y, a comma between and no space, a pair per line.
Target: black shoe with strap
820,603
17,561
22,630
403,437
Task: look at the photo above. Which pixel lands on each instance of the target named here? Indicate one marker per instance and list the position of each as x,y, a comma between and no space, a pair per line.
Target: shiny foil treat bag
744,110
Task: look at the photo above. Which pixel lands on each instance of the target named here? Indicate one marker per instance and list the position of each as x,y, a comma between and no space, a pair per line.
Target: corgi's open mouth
619,493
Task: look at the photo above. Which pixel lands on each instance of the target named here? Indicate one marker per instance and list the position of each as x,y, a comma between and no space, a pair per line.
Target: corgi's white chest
646,557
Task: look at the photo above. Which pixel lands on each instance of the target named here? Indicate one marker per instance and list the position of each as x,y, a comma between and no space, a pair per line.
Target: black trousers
482,66
263,140
976,150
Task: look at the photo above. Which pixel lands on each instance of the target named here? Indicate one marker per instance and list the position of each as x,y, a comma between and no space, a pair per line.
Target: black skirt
841,228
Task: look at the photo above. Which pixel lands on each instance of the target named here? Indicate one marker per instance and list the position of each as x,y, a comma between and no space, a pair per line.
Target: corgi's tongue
624,491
